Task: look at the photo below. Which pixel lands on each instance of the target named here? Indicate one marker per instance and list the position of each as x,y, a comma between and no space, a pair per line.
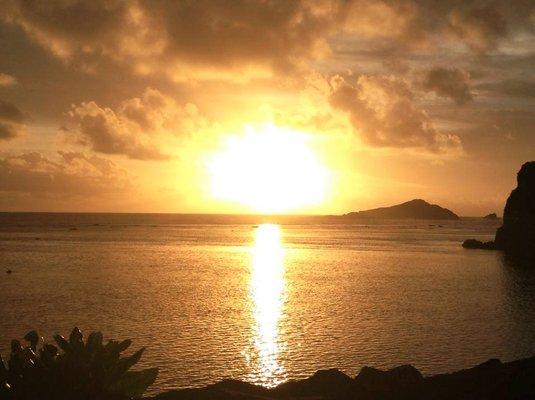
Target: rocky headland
491,380
414,209
516,236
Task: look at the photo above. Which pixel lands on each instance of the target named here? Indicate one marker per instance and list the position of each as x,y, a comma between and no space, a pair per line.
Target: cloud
7,80
134,127
68,27
478,27
155,111
11,121
449,83
382,109
511,87
430,23
11,113
403,20
241,40
212,38
106,132
72,174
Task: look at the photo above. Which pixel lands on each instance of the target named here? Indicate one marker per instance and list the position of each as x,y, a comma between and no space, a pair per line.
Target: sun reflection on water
267,294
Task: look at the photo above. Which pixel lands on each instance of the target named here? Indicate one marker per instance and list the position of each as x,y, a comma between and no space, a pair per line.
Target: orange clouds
31,176
106,132
212,38
134,128
358,74
11,121
68,28
382,109
242,39
402,21
7,80
450,83
478,27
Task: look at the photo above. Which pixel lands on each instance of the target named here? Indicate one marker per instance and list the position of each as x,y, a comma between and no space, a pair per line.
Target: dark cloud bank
11,121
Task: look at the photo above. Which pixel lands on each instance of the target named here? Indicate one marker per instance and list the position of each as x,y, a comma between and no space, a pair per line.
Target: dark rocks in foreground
491,380
414,209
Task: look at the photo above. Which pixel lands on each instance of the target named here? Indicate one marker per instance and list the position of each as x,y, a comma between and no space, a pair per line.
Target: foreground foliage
74,369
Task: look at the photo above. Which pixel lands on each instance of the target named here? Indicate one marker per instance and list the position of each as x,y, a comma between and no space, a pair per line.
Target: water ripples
271,303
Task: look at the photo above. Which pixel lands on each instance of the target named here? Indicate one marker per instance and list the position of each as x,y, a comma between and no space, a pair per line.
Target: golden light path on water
267,293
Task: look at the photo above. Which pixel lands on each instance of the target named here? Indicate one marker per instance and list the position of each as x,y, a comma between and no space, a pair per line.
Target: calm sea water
217,296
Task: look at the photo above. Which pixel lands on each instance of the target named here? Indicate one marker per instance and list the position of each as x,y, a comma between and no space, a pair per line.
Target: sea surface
266,299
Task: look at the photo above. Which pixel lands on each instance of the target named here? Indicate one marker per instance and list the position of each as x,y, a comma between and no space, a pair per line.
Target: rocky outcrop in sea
517,234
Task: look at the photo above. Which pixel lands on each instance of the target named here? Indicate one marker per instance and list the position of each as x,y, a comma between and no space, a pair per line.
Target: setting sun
268,169
268,196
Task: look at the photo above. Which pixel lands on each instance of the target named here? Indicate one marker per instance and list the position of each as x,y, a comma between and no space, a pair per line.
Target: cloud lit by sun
268,169
371,101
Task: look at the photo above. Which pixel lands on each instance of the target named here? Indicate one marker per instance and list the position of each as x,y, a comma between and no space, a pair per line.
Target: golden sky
240,106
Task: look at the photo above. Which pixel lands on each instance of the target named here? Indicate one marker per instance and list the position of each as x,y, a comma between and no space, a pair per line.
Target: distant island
414,209
491,216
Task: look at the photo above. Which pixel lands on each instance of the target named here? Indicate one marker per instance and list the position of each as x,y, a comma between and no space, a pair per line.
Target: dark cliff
517,234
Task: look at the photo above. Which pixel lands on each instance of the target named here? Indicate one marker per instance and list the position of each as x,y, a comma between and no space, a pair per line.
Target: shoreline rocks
489,380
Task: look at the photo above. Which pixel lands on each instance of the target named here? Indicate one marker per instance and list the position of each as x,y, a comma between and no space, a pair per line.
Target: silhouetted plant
74,369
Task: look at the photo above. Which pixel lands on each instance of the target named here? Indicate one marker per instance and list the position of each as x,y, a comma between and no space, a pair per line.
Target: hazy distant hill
414,209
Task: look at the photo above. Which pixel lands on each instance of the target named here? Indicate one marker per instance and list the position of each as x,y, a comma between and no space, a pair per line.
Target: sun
268,169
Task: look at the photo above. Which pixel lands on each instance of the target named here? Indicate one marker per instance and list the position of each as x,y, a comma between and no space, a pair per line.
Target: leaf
49,350
112,350
29,353
94,342
122,346
76,338
24,358
62,343
15,347
48,355
124,364
3,369
135,383
33,338
75,366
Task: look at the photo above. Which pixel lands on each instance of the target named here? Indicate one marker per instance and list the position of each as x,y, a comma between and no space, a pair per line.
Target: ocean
266,299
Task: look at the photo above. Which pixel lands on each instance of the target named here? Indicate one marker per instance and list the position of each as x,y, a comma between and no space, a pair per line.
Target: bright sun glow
269,170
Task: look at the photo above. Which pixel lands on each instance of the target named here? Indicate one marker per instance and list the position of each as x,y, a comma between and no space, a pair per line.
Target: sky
241,106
